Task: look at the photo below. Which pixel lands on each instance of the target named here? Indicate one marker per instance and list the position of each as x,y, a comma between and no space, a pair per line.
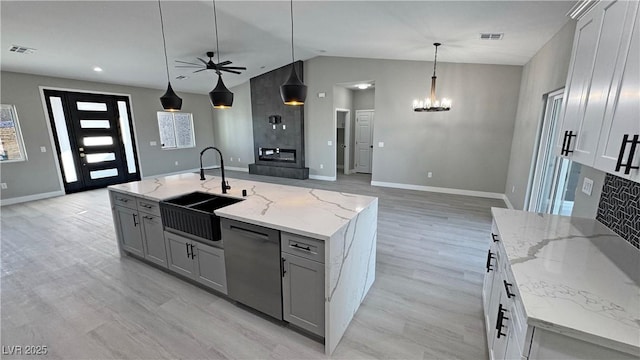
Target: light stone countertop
303,211
575,276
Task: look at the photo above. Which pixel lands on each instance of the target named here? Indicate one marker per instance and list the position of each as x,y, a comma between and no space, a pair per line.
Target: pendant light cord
435,61
164,42
215,20
292,56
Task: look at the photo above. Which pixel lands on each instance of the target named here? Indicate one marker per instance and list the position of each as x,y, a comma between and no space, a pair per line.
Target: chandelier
431,103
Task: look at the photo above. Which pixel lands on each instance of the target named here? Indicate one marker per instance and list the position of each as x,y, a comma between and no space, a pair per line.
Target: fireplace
277,155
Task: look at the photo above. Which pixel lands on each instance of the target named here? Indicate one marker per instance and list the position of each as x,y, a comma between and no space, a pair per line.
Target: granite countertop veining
303,211
575,276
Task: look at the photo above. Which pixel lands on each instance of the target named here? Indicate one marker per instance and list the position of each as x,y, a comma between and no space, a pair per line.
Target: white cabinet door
614,21
623,109
128,227
154,249
580,69
210,268
179,254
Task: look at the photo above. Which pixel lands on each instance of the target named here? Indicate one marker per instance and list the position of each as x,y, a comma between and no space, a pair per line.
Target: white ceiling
123,37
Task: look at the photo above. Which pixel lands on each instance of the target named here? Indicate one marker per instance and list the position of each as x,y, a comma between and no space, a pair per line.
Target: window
176,130
11,145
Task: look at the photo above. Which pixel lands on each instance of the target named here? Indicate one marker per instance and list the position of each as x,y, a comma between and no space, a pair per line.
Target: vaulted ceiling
124,38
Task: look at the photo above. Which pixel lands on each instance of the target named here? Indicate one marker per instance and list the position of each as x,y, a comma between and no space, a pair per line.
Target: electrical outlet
321,166
3,186
274,127
238,159
587,186
152,143
43,149
380,144
231,158
429,174
284,127
513,189
176,163
329,143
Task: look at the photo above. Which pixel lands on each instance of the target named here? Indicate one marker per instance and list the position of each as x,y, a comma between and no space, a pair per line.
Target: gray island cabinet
327,243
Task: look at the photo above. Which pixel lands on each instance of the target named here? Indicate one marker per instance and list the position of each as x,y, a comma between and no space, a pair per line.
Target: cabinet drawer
120,199
305,247
148,206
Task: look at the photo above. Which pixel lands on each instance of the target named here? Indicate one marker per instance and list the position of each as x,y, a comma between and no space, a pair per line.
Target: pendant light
170,100
293,92
220,96
431,104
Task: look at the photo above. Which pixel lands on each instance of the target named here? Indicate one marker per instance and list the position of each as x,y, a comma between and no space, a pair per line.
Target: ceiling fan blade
204,62
186,62
199,70
225,63
189,66
234,67
231,71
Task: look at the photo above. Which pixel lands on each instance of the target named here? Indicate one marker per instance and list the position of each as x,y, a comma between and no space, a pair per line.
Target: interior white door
347,141
364,140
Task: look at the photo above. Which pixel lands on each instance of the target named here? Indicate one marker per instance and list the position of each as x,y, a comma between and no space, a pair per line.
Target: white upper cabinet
617,152
602,91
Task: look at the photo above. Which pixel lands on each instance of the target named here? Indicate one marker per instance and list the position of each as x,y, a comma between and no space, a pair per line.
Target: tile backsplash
619,208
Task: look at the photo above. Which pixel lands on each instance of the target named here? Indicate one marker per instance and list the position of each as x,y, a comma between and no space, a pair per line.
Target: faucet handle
227,185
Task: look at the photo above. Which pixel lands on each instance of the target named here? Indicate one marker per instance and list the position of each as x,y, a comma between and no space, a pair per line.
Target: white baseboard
322,177
21,199
243,169
506,201
483,194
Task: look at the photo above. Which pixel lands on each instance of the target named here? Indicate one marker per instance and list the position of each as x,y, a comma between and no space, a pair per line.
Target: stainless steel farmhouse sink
193,214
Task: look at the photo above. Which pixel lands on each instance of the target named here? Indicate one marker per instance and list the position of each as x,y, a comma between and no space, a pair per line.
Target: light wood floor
64,285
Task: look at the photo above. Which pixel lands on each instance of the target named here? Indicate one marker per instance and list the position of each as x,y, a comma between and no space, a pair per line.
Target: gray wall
233,129
364,99
342,98
585,205
466,148
545,72
39,174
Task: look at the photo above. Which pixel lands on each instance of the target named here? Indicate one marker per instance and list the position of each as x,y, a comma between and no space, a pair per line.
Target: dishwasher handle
249,233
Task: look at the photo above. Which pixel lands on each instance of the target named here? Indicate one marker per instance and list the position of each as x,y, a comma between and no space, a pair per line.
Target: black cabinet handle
494,237
506,289
135,222
193,253
188,255
629,165
499,324
308,248
283,268
564,143
489,257
568,135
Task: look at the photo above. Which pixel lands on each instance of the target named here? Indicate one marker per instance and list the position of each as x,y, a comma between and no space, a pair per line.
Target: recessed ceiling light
363,86
97,69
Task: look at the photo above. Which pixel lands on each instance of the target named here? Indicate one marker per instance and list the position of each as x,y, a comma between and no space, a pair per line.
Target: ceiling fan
210,65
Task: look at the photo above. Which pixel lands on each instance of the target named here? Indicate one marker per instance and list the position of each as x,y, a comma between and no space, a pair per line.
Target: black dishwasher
252,259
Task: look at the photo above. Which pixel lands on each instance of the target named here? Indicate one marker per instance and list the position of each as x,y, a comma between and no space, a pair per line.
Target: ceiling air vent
491,36
21,49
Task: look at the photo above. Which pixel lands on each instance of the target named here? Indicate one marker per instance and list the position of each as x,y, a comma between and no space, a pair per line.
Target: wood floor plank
64,285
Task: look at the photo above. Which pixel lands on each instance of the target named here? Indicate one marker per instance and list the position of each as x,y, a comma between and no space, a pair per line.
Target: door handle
371,146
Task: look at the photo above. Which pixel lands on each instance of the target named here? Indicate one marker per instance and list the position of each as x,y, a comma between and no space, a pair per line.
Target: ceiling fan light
221,97
293,92
170,100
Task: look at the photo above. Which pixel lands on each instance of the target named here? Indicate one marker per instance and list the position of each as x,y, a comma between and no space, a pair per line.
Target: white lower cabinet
153,236
202,263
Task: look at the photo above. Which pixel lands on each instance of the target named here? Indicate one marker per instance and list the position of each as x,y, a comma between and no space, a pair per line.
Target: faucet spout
225,184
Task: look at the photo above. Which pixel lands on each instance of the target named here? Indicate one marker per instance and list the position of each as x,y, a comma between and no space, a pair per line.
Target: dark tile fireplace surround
278,145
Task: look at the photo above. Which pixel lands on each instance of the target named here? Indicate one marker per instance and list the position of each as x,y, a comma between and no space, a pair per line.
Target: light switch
381,144
321,95
330,143
587,186
43,149
152,143
274,126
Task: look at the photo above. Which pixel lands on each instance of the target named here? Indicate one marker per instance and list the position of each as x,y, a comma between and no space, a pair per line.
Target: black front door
96,148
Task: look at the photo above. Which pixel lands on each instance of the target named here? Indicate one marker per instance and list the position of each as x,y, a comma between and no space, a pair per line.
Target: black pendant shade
170,100
293,92
221,97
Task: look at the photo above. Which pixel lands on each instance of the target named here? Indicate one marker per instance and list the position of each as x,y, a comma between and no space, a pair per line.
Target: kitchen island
346,224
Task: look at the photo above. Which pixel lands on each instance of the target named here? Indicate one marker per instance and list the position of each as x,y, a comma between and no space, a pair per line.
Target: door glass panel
98,174
100,157
97,140
125,125
66,156
91,106
95,124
